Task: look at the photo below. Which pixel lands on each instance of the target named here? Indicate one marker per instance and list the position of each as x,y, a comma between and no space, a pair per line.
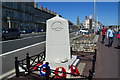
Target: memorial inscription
57,26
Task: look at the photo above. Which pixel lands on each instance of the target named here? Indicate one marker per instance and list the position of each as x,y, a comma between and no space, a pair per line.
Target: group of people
110,36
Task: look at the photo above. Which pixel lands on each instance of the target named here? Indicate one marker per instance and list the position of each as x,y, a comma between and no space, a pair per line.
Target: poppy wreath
74,70
37,66
60,75
43,71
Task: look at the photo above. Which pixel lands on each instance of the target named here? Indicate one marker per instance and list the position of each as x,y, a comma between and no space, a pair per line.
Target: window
8,3
19,6
30,17
6,13
11,4
12,14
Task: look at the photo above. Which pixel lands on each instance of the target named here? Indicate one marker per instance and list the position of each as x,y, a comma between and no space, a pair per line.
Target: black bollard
93,64
47,71
28,63
16,66
71,51
44,54
90,77
95,54
38,58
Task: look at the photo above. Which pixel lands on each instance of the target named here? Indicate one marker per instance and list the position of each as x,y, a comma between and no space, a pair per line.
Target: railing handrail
27,61
29,68
31,56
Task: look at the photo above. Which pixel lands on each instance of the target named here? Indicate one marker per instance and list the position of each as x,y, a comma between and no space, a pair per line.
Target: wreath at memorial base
74,70
60,72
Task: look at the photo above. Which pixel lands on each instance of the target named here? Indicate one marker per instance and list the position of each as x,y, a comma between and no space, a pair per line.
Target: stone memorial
58,52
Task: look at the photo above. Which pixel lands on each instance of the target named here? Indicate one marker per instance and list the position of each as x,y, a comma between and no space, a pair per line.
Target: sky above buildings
106,12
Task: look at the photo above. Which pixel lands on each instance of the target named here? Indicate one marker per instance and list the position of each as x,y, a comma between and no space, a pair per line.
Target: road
11,45
25,40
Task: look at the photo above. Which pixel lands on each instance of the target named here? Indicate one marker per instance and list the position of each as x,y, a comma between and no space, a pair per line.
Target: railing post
95,53
38,58
94,60
90,77
71,51
47,71
44,54
16,66
93,64
28,63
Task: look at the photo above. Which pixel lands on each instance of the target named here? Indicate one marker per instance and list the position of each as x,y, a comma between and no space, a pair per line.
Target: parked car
37,30
84,31
25,31
10,33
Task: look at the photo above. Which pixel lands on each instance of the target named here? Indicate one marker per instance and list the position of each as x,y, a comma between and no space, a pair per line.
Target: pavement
107,60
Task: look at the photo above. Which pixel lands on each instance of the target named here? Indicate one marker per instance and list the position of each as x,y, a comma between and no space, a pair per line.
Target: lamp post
95,16
8,20
90,21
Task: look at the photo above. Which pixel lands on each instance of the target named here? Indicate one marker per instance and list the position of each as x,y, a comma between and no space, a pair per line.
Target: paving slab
107,60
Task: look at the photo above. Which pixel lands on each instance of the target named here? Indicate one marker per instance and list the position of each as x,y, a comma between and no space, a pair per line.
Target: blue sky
107,12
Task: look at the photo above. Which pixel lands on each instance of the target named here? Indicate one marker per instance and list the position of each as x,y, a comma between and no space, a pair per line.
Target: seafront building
25,15
90,23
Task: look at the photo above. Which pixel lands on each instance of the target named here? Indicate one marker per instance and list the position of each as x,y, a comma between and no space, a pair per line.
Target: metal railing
29,62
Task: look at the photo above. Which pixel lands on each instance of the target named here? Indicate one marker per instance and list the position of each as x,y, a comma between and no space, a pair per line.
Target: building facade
24,15
78,21
80,25
91,24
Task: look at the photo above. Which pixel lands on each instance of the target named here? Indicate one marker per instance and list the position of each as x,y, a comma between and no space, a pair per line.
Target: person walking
103,33
110,36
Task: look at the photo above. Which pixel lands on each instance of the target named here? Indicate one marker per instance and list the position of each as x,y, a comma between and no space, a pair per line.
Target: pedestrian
110,36
118,37
103,33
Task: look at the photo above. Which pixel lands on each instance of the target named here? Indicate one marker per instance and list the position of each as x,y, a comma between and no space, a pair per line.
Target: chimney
53,12
41,7
45,9
35,5
49,11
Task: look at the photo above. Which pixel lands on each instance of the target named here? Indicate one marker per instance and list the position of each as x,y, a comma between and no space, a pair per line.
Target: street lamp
95,16
90,21
8,20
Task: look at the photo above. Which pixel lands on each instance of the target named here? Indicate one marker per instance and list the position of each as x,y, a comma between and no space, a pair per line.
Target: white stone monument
58,43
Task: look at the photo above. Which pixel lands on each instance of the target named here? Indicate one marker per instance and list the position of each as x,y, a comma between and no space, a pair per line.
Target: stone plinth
58,43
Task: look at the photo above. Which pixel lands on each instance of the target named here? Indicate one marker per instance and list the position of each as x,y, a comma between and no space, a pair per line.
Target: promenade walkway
107,60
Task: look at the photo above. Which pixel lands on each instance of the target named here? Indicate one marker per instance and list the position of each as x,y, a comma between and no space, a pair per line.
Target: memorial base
73,61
